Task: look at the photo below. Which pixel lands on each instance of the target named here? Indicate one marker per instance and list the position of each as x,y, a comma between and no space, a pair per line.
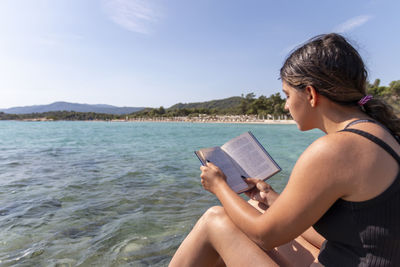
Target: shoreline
214,121
283,122
240,119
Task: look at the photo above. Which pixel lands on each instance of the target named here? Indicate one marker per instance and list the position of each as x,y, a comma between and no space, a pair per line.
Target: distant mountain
65,106
220,104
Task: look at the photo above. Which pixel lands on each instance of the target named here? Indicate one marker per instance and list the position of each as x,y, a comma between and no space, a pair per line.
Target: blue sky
158,53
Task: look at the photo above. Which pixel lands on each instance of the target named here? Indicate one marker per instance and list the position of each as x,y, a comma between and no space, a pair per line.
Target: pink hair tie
364,100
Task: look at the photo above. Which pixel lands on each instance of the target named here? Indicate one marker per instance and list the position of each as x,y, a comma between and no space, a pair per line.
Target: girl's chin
299,127
302,127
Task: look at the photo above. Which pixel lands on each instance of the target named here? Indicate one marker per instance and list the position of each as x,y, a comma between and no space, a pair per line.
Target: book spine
201,160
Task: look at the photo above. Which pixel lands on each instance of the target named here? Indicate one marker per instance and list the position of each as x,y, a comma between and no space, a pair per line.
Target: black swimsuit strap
360,121
377,141
397,138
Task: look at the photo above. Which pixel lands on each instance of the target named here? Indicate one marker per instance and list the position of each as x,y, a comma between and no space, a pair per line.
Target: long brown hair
335,69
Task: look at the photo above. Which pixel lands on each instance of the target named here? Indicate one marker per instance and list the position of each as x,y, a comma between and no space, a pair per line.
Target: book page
232,172
251,156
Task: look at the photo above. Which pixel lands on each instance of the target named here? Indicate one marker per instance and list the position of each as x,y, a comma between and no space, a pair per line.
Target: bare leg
215,241
196,250
215,236
313,237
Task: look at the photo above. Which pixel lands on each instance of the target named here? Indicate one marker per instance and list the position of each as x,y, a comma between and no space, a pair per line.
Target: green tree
245,103
394,87
161,110
376,83
377,90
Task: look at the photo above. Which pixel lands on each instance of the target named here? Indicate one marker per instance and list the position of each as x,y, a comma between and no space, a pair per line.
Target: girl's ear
312,95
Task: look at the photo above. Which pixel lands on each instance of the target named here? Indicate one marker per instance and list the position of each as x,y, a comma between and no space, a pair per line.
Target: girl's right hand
261,191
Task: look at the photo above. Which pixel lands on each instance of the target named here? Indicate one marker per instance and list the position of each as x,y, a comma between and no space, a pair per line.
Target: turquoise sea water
112,194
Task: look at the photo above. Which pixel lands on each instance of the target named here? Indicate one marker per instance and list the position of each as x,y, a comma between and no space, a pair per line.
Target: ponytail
382,112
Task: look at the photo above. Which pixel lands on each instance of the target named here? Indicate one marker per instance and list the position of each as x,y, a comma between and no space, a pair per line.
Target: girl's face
298,106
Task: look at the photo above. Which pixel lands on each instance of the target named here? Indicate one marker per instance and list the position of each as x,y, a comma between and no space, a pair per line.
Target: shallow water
112,194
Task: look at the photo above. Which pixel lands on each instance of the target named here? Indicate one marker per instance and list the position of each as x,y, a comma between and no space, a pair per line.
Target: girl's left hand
261,192
211,177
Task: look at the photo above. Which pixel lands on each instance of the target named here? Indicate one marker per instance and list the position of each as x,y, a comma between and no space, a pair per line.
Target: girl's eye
286,94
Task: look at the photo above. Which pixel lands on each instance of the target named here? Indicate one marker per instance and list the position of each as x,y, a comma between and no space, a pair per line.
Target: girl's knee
216,211
213,215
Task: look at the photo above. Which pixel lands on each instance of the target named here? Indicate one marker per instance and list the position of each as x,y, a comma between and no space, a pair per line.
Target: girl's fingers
252,181
262,186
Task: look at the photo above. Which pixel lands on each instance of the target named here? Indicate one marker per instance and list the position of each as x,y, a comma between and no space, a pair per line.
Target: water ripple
111,194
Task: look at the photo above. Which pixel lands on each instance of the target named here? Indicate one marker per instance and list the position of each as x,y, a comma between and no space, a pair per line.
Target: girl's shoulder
332,159
333,145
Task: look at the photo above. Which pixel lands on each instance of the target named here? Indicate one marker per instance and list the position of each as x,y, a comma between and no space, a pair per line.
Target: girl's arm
317,181
262,196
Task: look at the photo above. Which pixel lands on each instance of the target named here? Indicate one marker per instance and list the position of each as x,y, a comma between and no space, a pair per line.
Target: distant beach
252,119
218,119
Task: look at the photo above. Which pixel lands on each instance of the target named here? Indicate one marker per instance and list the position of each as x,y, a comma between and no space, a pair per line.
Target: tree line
383,91
390,94
247,104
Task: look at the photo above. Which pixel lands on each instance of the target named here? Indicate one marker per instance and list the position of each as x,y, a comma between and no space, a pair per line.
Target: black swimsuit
365,233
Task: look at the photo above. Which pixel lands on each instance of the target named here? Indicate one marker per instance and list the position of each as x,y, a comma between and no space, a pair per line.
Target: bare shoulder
331,149
332,144
330,161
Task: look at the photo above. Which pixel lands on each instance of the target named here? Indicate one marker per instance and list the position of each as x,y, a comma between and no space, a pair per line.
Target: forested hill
213,104
244,105
66,106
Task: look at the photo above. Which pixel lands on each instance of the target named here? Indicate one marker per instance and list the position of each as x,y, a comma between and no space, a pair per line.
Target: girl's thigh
298,252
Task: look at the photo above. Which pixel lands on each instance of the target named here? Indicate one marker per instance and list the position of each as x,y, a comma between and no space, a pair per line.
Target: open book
239,158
